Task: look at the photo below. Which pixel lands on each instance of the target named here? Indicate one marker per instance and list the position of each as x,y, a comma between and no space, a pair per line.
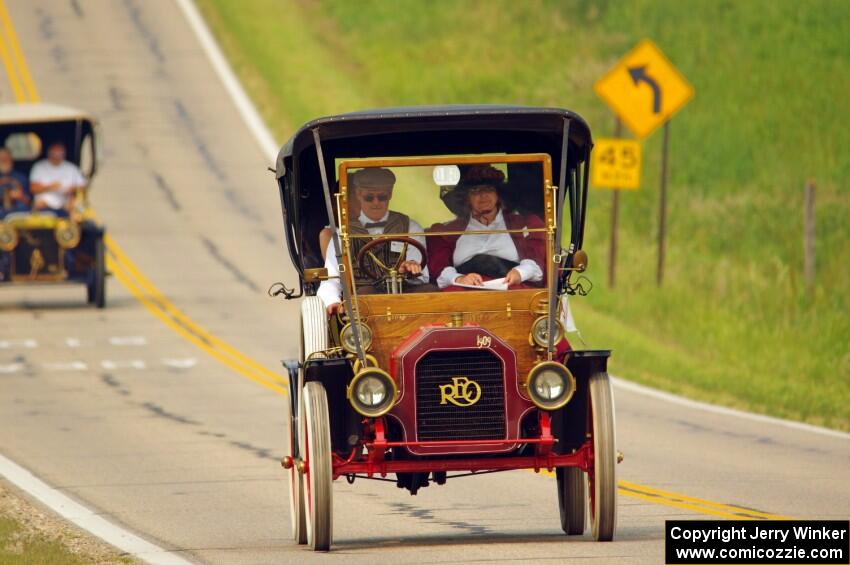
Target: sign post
616,164
644,89
662,207
615,212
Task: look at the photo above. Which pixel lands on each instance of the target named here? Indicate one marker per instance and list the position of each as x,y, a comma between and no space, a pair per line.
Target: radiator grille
483,420
50,255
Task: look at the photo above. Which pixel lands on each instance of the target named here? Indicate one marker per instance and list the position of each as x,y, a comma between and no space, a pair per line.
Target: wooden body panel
507,314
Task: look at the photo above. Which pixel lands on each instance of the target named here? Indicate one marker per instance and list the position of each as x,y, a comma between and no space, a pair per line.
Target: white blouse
496,244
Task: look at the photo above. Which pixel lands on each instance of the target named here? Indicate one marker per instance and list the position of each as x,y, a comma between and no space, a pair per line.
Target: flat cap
374,179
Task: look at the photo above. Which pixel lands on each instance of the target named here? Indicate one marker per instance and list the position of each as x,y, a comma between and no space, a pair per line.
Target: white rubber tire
294,486
315,439
603,480
313,337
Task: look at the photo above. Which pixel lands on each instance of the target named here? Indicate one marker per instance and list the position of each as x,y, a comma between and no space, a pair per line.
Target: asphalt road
126,415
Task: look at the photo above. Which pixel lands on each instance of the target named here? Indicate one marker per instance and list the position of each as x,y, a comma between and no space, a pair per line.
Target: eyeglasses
380,197
482,189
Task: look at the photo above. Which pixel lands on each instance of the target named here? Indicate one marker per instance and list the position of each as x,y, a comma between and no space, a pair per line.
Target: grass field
734,323
19,548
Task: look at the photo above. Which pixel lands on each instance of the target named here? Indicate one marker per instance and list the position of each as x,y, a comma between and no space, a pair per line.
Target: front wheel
603,476
294,480
318,476
572,499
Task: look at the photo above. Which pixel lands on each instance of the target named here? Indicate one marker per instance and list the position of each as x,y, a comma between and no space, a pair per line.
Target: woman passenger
471,259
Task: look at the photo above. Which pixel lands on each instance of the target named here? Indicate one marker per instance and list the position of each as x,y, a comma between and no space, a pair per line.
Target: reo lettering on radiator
460,392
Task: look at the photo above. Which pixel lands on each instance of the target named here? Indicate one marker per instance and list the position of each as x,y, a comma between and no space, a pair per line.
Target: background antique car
431,383
39,247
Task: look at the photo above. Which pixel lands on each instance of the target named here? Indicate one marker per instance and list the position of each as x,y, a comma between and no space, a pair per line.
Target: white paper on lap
495,284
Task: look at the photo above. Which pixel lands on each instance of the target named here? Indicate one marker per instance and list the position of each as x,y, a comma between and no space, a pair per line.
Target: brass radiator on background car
37,257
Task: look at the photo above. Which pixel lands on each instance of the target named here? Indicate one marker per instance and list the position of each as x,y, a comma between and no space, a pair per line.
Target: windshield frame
345,165
346,237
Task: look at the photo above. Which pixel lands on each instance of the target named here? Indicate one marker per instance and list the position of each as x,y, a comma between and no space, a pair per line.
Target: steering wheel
366,267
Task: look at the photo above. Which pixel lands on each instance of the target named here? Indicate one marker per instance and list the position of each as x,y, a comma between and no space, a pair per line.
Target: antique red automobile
434,272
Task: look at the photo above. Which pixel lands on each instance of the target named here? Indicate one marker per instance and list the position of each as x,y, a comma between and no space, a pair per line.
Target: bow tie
368,225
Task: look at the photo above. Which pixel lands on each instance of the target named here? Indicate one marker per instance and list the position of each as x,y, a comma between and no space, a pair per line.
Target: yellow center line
678,500
126,271
10,68
738,512
179,319
120,272
15,45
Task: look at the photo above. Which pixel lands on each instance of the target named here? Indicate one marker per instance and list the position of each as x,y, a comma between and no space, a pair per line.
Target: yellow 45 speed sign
615,164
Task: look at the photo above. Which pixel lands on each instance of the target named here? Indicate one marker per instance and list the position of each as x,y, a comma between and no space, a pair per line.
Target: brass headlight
372,392
540,331
550,385
67,234
346,337
8,237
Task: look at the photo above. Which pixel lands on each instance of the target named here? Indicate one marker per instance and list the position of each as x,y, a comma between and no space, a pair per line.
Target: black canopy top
435,130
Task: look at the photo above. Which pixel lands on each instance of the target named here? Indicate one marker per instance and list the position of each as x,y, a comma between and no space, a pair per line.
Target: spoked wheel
603,477
572,499
293,478
318,476
314,337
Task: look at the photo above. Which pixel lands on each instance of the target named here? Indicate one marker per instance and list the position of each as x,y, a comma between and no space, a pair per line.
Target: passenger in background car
14,187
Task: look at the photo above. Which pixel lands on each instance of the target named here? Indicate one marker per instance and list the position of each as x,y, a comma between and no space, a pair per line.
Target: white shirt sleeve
330,290
529,270
414,255
447,277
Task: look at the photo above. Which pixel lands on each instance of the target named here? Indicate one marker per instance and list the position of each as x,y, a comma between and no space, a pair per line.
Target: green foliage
735,322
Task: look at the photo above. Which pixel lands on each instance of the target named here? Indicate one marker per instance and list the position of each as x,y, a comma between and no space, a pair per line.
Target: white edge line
705,407
222,68
263,136
86,518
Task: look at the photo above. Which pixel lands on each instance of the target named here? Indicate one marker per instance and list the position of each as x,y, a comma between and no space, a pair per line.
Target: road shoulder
29,533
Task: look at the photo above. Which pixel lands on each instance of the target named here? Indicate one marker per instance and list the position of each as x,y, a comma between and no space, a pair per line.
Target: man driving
54,181
373,189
